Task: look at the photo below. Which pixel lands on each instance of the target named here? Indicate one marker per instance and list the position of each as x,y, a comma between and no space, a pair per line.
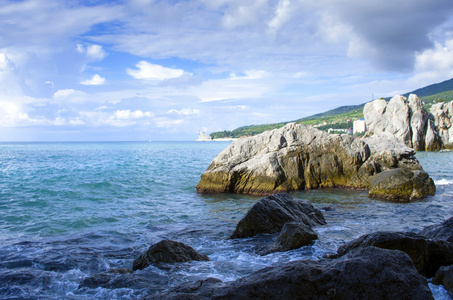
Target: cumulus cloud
149,71
95,80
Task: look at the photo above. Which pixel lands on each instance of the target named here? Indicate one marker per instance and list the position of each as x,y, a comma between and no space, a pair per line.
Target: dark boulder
402,185
427,255
443,231
444,276
167,251
270,213
366,273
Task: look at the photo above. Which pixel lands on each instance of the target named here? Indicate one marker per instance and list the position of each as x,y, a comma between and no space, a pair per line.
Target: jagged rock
393,117
443,119
270,213
427,255
443,231
401,185
167,251
444,276
297,157
411,123
367,273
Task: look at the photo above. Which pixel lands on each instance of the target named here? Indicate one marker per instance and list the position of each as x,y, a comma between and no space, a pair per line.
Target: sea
73,210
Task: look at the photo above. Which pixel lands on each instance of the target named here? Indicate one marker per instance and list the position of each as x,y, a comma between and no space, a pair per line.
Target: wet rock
443,231
444,276
297,157
366,273
270,213
401,185
295,235
427,255
167,251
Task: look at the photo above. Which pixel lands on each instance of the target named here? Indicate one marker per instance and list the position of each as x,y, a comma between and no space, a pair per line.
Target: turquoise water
72,210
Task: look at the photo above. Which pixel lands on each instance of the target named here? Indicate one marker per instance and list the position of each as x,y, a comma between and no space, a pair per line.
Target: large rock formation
443,119
411,123
366,273
297,157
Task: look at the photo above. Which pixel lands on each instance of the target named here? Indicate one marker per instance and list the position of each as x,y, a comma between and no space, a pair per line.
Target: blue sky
164,70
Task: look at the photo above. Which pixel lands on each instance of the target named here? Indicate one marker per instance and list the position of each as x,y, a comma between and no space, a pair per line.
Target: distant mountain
341,117
433,89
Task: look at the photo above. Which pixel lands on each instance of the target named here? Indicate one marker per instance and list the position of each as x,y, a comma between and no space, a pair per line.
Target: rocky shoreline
379,265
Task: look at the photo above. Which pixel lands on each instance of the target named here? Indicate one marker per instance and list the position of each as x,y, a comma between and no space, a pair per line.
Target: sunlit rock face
297,157
406,119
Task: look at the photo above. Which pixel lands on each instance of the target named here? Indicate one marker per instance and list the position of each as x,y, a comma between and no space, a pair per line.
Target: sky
139,70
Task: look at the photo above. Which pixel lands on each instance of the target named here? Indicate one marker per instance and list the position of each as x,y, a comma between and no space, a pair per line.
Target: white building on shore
358,126
203,137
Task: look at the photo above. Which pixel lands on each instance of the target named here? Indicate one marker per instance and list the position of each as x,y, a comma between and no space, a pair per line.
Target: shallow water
72,210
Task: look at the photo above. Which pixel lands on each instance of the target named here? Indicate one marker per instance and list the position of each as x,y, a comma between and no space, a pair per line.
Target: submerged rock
443,231
427,255
367,273
120,278
297,157
167,251
270,213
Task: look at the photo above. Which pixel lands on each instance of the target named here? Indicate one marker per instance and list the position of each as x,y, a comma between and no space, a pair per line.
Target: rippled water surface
72,210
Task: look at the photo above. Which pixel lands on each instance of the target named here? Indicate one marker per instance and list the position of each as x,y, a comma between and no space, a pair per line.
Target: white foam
443,182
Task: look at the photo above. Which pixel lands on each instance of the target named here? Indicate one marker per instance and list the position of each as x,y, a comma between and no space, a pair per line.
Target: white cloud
128,114
282,14
184,111
5,63
70,95
149,71
95,80
93,52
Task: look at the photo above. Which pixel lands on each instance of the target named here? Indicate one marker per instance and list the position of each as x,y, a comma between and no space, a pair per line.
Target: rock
393,117
167,251
443,119
368,273
443,231
297,157
295,235
401,185
270,213
411,123
404,118
444,276
427,255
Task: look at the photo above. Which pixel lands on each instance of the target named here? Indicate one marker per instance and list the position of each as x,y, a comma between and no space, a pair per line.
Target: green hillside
343,116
